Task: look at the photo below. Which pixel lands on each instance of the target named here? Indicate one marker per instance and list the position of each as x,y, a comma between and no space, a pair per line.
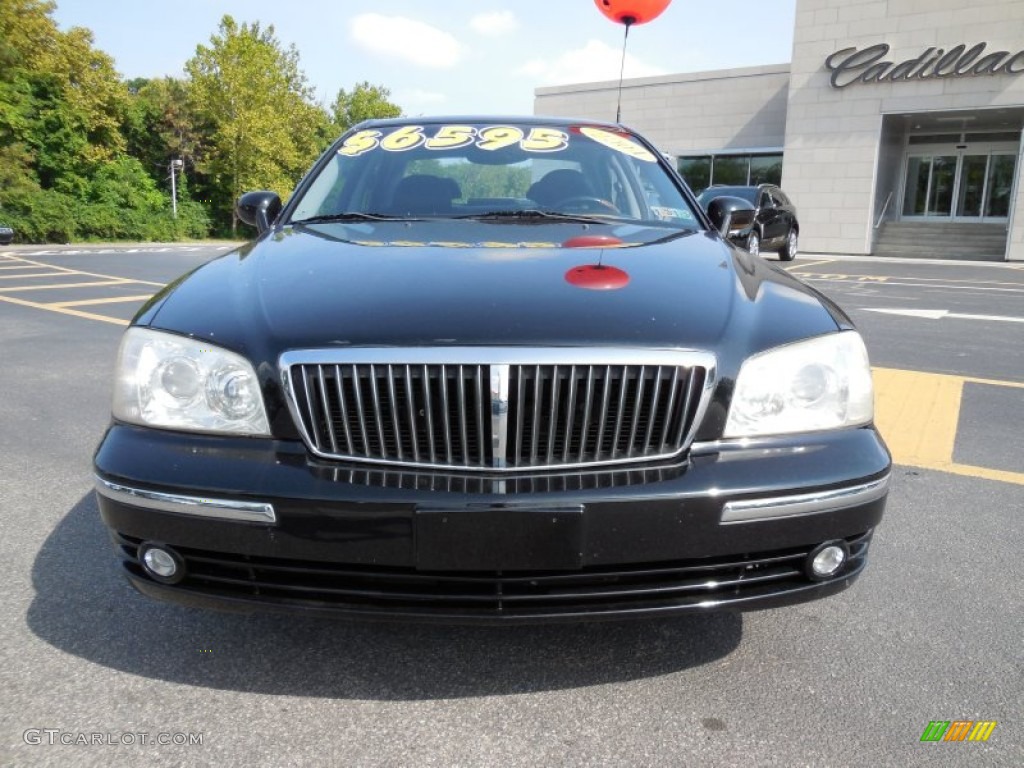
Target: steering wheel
587,204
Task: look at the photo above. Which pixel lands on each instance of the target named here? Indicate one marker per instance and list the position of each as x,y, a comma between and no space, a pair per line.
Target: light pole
176,164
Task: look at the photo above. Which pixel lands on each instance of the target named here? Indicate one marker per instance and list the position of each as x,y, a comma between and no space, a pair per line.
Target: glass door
971,194
985,186
999,185
931,180
967,185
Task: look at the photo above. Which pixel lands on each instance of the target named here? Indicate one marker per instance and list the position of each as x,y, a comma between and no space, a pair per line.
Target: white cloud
408,39
594,61
495,24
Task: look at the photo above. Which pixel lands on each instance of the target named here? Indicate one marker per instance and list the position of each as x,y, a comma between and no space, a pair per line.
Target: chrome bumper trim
752,510
196,506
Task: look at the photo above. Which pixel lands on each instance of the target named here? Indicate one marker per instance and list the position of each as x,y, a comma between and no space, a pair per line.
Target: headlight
821,383
179,383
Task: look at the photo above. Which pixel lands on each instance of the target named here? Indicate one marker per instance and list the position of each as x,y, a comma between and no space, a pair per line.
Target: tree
85,154
265,128
160,126
363,103
61,108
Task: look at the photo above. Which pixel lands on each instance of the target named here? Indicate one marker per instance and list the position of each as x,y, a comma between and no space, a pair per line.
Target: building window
730,170
696,171
701,171
766,169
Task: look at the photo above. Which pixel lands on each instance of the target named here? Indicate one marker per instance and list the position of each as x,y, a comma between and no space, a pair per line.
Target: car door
786,209
768,216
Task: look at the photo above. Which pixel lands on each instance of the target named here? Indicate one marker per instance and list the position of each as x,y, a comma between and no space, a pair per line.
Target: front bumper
259,525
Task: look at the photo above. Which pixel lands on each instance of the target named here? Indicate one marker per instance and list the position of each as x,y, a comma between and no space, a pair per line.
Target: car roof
744,186
494,119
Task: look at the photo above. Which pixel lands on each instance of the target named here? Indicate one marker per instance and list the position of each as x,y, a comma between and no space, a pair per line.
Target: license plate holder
499,539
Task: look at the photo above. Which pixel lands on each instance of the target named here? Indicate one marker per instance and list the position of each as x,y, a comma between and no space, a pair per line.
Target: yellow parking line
91,274
38,274
61,310
918,415
86,302
985,473
994,382
19,266
20,288
808,264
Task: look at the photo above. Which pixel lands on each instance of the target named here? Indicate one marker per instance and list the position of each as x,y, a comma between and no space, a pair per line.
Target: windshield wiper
351,216
677,233
531,214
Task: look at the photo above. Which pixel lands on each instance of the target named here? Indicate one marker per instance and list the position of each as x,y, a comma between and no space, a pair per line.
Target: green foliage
85,154
121,202
477,181
265,127
363,103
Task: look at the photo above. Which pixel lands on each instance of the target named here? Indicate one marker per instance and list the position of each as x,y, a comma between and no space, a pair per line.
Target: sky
451,57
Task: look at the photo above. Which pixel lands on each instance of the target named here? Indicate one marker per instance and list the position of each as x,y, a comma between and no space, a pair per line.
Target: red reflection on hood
592,241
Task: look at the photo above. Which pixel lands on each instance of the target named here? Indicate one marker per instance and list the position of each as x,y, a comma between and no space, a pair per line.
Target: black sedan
497,371
6,235
775,223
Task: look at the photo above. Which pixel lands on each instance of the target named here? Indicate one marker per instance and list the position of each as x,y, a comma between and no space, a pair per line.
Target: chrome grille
494,408
587,414
434,415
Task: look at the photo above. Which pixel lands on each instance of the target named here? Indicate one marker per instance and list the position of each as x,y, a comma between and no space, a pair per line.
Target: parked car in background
775,223
6,235
496,371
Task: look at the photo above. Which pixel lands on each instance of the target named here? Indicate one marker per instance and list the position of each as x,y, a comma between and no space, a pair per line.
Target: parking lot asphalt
930,632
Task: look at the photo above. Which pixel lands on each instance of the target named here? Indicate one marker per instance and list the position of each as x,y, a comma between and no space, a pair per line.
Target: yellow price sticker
359,143
407,137
489,138
545,140
451,137
619,143
498,137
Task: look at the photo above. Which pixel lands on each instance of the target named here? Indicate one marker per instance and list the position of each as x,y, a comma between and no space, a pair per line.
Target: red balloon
596,277
632,11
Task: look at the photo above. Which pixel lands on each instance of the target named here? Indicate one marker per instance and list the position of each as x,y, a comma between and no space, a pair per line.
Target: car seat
423,194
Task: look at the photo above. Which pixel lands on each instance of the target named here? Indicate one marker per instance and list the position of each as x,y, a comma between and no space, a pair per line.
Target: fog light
826,560
162,563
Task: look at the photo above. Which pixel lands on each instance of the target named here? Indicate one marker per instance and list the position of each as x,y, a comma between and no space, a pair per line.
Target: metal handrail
884,209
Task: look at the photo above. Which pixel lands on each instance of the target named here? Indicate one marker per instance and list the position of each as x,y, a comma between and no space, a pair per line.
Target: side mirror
258,209
732,217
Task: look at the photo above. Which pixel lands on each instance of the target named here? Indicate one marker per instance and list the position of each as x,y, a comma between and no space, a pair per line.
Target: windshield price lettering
490,138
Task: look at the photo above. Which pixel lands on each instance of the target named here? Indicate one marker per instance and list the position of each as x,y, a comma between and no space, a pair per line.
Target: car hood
464,283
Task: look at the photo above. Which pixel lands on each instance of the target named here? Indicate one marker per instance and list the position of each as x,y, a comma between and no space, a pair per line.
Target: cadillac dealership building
896,129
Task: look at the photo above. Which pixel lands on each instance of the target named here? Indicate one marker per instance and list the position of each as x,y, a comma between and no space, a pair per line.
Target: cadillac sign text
850,65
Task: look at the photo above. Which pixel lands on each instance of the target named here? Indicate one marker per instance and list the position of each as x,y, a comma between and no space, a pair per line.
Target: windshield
426,170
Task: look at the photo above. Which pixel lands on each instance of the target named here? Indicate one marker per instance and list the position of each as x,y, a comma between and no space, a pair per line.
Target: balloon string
622,69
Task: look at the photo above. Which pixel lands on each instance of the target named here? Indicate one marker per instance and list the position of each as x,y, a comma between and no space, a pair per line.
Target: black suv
775,224
6,235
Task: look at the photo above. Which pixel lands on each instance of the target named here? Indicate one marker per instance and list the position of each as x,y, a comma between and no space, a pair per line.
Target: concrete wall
1015,242
682,114
834,136
889,172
